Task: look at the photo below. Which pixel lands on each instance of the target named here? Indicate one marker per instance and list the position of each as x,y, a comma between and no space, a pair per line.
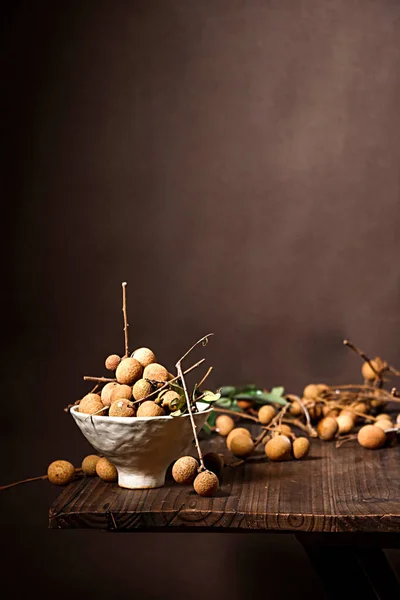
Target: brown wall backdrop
238,164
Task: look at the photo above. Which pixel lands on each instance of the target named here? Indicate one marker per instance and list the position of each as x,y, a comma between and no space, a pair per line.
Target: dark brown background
238,164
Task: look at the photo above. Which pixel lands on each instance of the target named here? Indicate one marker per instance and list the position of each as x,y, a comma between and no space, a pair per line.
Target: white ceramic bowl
141,448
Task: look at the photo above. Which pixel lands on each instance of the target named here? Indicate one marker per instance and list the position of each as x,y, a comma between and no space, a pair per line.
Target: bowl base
140,481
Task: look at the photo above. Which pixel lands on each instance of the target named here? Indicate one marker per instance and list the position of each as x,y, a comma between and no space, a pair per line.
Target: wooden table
343,505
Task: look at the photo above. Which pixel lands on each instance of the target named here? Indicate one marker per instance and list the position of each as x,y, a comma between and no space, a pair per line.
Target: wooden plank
348,489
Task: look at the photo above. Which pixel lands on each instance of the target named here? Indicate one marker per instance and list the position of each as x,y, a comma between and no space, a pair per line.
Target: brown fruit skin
384,424
235,432
315,410
301,447
368,373
185,469
278,448
122,408
327,428
128,371
371,437
155,372
60,472
112,362
141,389
90,404
206,483
283,429
168,399
242,445
328,411
107,391
106,470
361,407
384,417
310,391
224,424
89,464
245,404
214,462
295,409
345,423
114,391
145,356
150,409
266,414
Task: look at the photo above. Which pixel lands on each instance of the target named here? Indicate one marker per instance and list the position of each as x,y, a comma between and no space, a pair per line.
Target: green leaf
228,390
224,402
209,396
177,413
212,418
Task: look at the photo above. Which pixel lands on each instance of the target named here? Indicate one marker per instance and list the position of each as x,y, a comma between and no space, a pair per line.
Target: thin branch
204,378
309,427
203,341
241,415
167,383
10,485
189,407
363,356
126,325
99,379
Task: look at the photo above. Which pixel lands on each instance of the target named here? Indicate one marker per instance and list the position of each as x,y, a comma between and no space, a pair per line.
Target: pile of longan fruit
136,377
62,472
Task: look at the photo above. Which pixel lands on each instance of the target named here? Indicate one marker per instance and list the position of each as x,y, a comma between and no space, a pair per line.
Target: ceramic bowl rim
82,416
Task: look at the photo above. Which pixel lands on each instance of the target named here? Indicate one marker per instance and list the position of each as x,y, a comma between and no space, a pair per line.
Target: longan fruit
328,411
150,409
141,389
128,371
278,448
327,428
361,407
383,417
384,424
295,409
206,483
90,404
106,470
155,372
121,392
266,414
345,423
170,400
60,472
315,411
322,387
244,404
301,447
89,464
145,356
107,391
122,408
235,432
242,445
112,362
224,424
371,436
311,391
214,462
185,469
283,429
369,373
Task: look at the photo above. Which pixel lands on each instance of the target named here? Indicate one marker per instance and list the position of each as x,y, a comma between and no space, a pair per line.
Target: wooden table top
346,489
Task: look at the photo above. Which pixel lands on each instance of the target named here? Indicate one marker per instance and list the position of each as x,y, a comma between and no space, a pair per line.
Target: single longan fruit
155,372
301,446
266,414
141,389
170,400
60,472
371,436
89,464
235,432
361,407
295,409
106,393
150,409
122,408
327,428
244,404
278,448
322,387
242,445
369,373
145,356
106,470
112,362
311,391
345,423
185,469
384,424
128,371
283,429
328,411
383,417
224,424
90,404
206,483
214,462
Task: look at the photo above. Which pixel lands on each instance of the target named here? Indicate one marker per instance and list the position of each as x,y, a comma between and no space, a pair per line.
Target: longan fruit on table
206,483
278,448
266,413
235,432
327,428
185,469
345,423
106,470
224,425
60,472
371,436
300,447
242,445
89,464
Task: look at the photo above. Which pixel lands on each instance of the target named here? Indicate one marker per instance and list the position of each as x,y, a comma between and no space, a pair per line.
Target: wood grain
349,489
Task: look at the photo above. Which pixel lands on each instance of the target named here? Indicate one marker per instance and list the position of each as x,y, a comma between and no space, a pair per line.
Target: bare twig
203,341
189,407
234,413
126,325
204,378
99,379
10,485
364,357
309,428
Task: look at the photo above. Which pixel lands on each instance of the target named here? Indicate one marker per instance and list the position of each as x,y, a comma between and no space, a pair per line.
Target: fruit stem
365,358
203,341
235,413
204,378
126,325
99,379
309,427
10,485
189,407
